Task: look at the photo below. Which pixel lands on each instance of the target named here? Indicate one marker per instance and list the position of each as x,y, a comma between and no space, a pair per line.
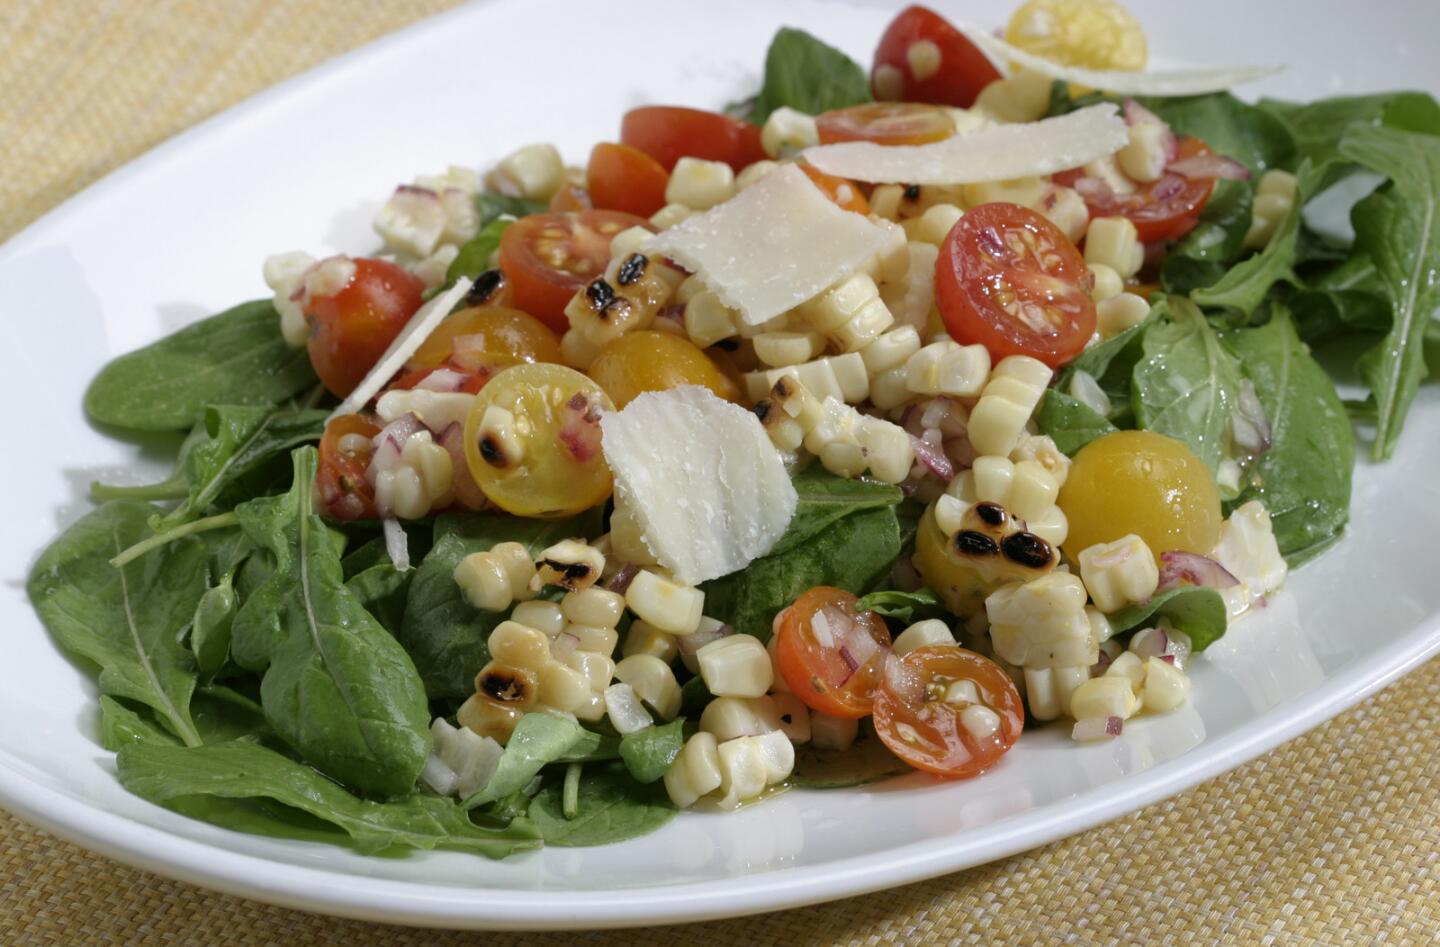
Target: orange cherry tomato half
668,133
624,178
1008,279
920,726
922,58
886,123
350,329
1164,209
831,655
340,485
843,191
546,258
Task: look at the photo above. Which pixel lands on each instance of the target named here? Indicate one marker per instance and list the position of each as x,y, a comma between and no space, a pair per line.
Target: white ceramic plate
182,232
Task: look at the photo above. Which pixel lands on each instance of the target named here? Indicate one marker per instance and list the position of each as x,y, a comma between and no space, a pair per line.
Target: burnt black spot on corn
632,269
993,514
764,410
569,572
969,542
599,294
912,192
1026,549
505,685
783,388
492,452
485,288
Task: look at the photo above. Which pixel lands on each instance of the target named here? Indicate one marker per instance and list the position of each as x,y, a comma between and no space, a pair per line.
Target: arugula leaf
236,357
648,753
1070,423
805,74
121,726
694,695
211,624
1112,362
1196,610
1304,478
1250,135
825,499
908,607
1204,255
377,584
127,621
611,808
1185,385
1398,228
168,775
475,253
492,206
1317,127
539,739
335,685
444,634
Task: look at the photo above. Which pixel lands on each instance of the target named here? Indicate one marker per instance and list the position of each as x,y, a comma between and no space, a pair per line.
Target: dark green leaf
211,625
694,695
1196,610
538,740
825,499
612,807
1112,362
379,586
492,206
122,726
907,607
1203,255
1250,135
648,753
1071,424
805,74
475,253
1318,126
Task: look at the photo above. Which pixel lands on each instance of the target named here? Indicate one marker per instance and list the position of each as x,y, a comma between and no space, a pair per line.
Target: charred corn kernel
644,638
1023,97
695,771
603,310
516,644
794,717
922,634
1006,403
544,617
577,351
742,771
487,718
500,442
1107,284
700,184
689,288
670,215
1128,665
563,688
934,225
508,684
708,320
596,666
836,426
886,448
737,666
1065,208
653,682
593,638
832,733
1103,696
1049,691
731,717
1166,686
1027,192
592,606
1114,242
285,274
666,605
626,713
754,172
534,172
1042,623
842,377
1118,313
784,431
1146,151
778,349
788,131
890,349
1052,526
570,564
1119,573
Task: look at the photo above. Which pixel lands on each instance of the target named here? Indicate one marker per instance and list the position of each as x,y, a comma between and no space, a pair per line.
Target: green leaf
825,499
1204,255
648,753
539,739
805,74
1398,228
122,726
236,357
1196,610
1112,362
1318,126
907,607
335,685
1304,478
611,807
211,624
127,621
492,207
1070,423
377,584
866,761
475,253
1185,385
170,776
442,631
1250,135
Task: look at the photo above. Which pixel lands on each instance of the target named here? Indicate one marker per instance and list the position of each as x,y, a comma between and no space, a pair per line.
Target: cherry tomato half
546,258
923,720
668,133
1164,209
831,655
886,123
1008,279
487,336
922,58
350,329
340,485
842,191
624,178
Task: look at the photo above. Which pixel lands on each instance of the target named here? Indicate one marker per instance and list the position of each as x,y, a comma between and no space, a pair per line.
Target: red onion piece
1149,643
1168,658
397,544
1188,568
563,645
1100,666
621,580
849,660
443,380
933,458
1097,728
1137,114
691,643
1209,166
1092,188
580,429
467,492
1248,424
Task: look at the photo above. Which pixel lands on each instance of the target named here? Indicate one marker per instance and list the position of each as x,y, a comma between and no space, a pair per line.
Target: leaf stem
172,489
220,521
570,795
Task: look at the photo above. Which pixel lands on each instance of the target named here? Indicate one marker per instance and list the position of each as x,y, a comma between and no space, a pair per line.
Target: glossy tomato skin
623,178
886,123
951,70
1008,279
1165,209
846,194
350,329
668,133
341,490
547,258
487,336
929,734
818,672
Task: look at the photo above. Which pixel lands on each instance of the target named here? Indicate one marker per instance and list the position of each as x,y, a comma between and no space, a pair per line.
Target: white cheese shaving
1153,82
406,344
998,153
705,506
776,244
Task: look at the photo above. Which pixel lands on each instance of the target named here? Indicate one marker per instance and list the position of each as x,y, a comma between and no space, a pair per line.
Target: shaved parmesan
998,153
778,243
1154,82
406,344
705,507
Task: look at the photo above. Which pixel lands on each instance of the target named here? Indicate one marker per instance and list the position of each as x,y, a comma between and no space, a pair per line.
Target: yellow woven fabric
1333,839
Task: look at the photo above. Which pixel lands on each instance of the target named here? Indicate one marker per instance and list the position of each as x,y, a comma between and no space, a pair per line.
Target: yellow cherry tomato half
487,336
655,361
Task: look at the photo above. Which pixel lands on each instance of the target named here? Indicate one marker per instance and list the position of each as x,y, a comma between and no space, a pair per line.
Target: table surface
1333,838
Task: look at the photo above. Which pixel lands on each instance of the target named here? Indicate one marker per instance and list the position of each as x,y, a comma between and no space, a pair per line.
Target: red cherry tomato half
1008,279
546,258
472,382
1165,209
620,177
886,123
923,718
668,133
350,329
340,486
831,655
922,58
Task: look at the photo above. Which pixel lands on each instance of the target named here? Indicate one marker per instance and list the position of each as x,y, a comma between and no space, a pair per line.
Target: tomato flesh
923,728
547,258
351,328
922,58
843,192
668,133
1008,279
1164,209
341,489
830,654
623,178
886,123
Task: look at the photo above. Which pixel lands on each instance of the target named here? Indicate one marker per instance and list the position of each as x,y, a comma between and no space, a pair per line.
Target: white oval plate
181,233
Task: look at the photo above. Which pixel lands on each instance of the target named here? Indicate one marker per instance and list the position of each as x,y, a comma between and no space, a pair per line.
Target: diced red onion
691,643
1209,166
1149,643
396,543
960,451
564,644
903,681
1168,658
1248,424
910,420
849,659
1167,187
467,492
443,379
1188,568
1099,667
1137,114
580,429
621,580
398,431
1093,188
933,458
1097,728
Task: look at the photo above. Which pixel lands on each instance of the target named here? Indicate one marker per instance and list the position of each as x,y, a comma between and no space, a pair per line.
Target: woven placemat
1332,839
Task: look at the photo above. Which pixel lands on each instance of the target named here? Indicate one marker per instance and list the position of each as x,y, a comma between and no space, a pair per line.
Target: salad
845,432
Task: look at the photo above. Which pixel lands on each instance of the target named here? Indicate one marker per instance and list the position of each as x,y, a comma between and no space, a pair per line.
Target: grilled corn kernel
1065,208
1027,192
593,606
534,172
596,666
1166,686
653,682
626,713
890,349
794,717
1114,242
737,666
731,717
570,564
671,214
1042,623
700,184
754,172
1103,696
934,225
708,320
577,351
482,577
778,349
833,733
922,634
788,131
544,617
886,448
1049,691
487,718
695,771
1119,573
519,645
1006,403
1118,313
1107,284
593,638
743,773
644,638
563,688
666,605
1128,665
